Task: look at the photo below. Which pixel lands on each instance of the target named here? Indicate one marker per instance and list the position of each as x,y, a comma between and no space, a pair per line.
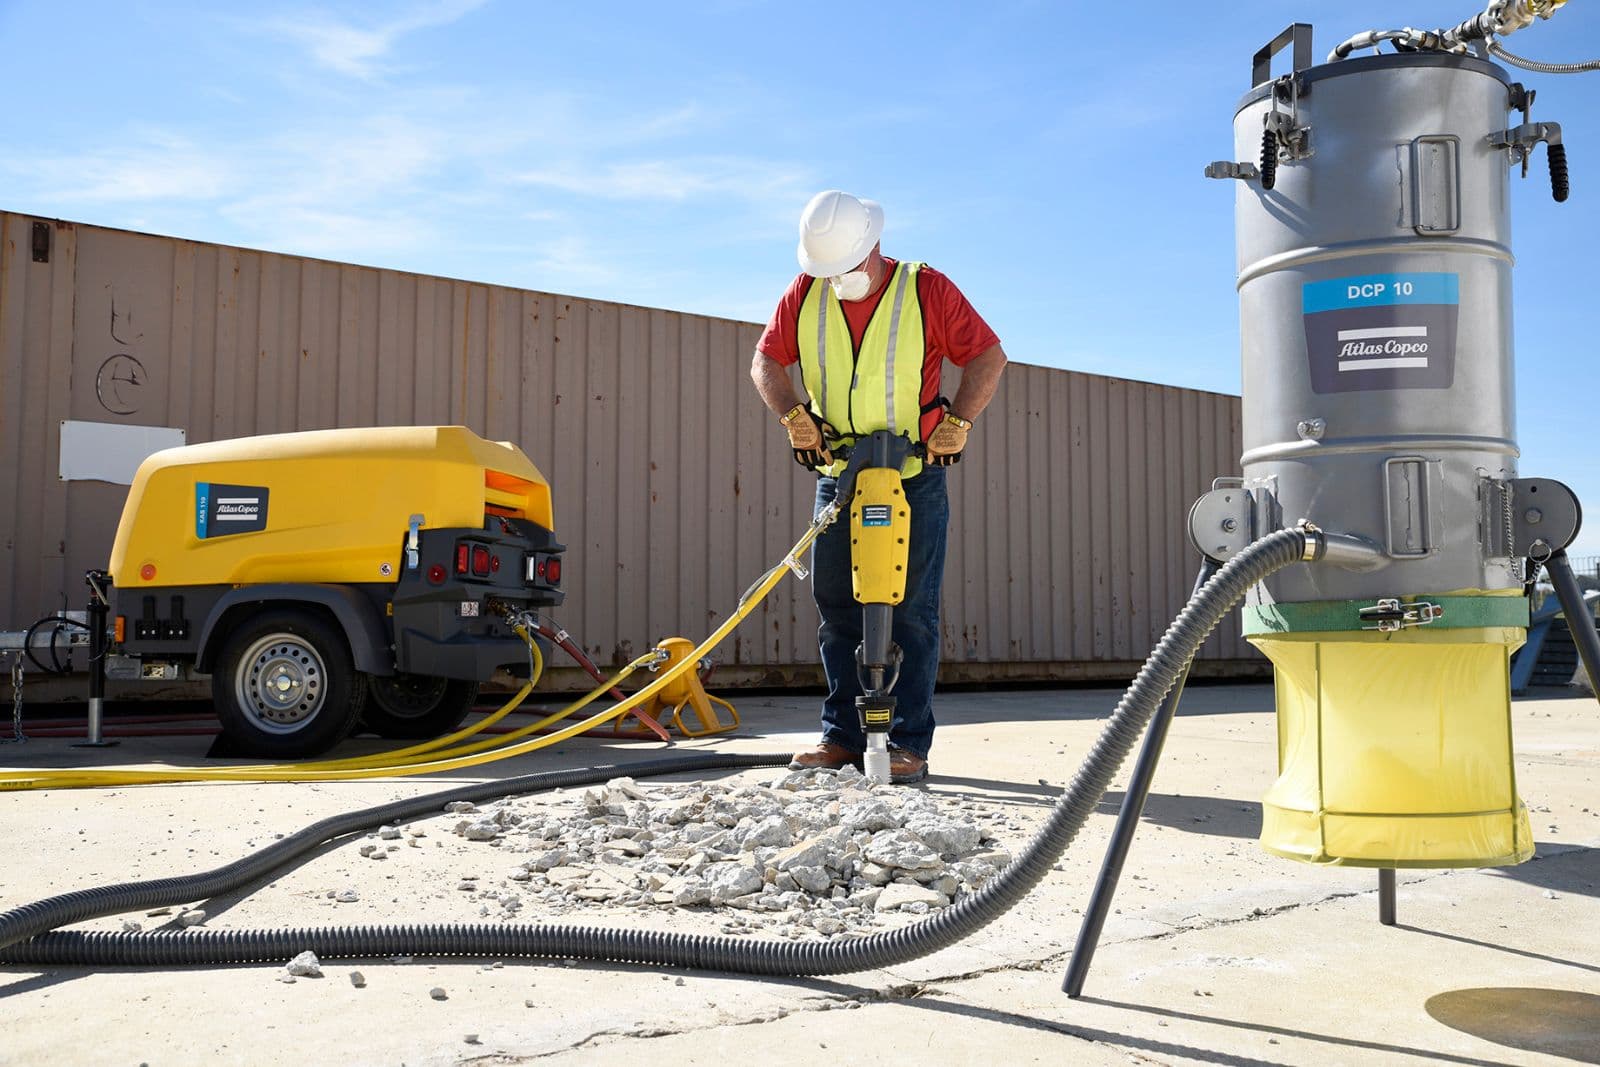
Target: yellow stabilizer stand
686,691
1394,748
880,536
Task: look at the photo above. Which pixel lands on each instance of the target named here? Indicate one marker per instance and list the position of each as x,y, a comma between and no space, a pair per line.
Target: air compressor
327,577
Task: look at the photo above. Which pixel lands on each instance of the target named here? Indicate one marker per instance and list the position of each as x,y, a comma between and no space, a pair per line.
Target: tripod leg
1579,622
1386,895
1144,769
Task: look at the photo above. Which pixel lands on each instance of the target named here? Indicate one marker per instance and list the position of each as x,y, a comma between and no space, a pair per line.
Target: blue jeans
916,619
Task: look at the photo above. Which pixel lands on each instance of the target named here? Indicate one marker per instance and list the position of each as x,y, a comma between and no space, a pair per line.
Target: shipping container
674,486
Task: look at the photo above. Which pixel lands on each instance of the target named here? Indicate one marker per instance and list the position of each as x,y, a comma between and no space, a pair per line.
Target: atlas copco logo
221,510
1389,348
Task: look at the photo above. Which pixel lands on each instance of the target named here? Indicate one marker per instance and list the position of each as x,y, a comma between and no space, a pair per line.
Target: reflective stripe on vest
879,388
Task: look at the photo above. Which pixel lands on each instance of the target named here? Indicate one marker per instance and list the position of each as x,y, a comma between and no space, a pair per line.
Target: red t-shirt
951,328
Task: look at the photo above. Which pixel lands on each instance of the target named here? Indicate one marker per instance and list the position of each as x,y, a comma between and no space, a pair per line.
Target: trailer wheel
286,685
416,706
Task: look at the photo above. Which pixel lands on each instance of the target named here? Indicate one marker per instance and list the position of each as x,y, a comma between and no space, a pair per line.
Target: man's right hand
808,436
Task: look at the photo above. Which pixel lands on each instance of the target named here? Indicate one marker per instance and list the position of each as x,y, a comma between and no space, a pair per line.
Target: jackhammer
880,535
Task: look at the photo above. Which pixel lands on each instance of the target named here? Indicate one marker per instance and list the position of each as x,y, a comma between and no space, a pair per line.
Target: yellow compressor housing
334,576
330,505
880,537
1394,748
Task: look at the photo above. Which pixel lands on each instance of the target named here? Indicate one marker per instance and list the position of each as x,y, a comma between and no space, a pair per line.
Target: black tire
286,685
416,707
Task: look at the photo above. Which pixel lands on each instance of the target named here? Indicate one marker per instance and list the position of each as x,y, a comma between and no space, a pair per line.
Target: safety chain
17,736
1507,513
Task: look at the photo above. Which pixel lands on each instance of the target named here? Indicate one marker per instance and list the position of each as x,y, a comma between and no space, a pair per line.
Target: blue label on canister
1376,290
1381,331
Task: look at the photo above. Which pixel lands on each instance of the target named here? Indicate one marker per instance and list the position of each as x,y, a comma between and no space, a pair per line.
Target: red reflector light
480,560
463,551
540,569
494,564
436,574
553,571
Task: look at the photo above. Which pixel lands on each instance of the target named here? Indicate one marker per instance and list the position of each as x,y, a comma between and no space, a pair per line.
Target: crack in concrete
824,1002
906,991
1434,875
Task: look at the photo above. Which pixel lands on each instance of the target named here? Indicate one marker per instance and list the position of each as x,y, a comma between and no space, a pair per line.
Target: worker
871,336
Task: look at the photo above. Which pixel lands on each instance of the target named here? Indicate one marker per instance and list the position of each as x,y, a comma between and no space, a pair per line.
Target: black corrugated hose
194,946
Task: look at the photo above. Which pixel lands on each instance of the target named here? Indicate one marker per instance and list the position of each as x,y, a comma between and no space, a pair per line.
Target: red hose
562,641
118,731
122,720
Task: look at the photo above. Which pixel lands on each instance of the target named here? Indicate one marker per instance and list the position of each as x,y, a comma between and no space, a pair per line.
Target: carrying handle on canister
1299,33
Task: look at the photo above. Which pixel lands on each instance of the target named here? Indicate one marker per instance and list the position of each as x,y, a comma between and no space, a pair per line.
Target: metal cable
1542,68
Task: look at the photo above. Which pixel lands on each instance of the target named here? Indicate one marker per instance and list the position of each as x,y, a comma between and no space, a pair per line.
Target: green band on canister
1324,616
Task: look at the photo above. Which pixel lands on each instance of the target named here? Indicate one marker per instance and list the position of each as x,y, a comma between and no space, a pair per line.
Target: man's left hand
947,441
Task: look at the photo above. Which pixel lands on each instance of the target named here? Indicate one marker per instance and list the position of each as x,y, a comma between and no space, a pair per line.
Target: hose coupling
1314,543
1342,550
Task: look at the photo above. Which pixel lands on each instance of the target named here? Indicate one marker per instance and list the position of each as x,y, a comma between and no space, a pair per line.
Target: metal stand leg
98,611
1386,895
1579,621
1144,769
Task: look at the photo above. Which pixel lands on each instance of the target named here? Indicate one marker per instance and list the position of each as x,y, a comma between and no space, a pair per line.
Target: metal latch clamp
412,526
1391,615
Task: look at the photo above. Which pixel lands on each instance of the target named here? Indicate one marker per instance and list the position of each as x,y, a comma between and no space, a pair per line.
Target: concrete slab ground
1216,953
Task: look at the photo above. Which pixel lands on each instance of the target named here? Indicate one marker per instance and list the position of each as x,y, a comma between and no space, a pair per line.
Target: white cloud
574,260
750,180
155,166
362,236
359,52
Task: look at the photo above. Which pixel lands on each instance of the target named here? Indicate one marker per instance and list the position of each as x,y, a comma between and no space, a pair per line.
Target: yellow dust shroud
1394,748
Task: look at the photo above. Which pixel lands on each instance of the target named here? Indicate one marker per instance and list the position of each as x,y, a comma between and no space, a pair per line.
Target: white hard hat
837,231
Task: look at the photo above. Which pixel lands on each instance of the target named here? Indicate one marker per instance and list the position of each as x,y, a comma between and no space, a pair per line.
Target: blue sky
1047,156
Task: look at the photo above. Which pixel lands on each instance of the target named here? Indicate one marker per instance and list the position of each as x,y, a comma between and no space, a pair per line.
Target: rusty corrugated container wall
674,490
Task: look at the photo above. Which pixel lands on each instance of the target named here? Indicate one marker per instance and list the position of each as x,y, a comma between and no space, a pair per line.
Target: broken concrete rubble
813,853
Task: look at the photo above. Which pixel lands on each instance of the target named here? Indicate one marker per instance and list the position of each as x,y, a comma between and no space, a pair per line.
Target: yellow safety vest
878,388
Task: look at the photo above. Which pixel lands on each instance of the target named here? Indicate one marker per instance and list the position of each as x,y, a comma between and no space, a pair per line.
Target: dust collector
1375,294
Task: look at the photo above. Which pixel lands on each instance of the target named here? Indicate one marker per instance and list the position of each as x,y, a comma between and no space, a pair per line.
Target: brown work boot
905,767
825,756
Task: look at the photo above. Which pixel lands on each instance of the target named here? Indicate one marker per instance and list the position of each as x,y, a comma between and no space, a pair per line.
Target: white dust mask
851,286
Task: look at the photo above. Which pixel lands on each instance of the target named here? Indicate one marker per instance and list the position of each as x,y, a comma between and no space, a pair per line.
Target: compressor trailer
332,578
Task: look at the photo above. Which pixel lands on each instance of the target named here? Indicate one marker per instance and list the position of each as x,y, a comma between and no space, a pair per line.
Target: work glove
808,436
945,444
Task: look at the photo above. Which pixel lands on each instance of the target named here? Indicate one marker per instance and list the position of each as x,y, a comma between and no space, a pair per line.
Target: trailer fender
355,613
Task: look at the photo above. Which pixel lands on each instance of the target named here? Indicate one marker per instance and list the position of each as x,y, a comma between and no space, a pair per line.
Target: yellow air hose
397,763
437,759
